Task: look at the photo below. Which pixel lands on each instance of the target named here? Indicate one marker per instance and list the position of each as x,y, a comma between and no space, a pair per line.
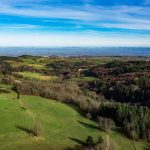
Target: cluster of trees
128,67
68,65
5,68
105,124
95,144
135,120
7,58
66,91
133,91
116,68
91,144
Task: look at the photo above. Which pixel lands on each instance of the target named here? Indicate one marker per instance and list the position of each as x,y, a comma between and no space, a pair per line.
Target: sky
95,23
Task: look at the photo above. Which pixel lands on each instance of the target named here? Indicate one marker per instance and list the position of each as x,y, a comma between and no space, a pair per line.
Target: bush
105,124
89,141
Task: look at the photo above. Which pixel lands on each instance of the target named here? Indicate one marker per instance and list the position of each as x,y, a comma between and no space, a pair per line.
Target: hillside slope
59,125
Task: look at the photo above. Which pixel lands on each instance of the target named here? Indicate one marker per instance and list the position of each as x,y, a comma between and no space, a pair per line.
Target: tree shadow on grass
121,132
146,147
29,131
23,108
87,125
78,141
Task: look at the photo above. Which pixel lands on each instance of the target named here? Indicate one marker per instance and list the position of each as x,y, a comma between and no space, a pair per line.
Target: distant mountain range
75,51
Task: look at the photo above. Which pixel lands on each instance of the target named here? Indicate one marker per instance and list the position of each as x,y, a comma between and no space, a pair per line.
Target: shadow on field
88,125
78,141
77,147
120,132
29,131
147,147
23,108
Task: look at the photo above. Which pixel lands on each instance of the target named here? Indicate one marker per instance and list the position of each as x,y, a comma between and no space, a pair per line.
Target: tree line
134,120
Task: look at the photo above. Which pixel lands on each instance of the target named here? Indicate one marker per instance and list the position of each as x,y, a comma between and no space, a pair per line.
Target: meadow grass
37,76
60,125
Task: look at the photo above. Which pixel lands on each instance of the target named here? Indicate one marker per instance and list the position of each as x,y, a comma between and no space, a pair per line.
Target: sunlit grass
59,123
37,76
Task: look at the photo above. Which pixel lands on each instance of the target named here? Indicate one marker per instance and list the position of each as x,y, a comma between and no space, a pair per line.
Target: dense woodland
117,97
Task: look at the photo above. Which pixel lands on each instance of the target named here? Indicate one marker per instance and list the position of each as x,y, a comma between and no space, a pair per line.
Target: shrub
105,124
89,141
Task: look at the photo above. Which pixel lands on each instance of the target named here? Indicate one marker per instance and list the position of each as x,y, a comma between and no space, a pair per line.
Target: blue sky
74,22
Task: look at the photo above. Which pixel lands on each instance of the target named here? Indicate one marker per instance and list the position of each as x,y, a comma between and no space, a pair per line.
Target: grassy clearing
37,66
37,76
32,61
60,125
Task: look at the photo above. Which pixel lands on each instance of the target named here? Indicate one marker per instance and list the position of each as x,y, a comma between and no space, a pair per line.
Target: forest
114,92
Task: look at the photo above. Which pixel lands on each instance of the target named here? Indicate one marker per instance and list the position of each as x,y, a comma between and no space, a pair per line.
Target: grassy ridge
60,125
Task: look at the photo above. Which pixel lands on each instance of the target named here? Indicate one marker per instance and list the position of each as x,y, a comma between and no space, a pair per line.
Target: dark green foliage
133,91
118,67
127,81
132,66
70,66
16,89
89,141
92,144
89,144
135,120
5,68
64,64
5,58
100,140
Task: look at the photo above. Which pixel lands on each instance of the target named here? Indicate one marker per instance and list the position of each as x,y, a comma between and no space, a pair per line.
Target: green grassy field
60,125
37,76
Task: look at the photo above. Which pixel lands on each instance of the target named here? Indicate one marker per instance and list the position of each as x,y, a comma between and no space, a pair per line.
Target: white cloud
63,39
131,26
133,17
51,12
123,17
19,26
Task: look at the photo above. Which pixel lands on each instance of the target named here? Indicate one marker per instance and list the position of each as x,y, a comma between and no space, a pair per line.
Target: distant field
37,66
60,125
37,76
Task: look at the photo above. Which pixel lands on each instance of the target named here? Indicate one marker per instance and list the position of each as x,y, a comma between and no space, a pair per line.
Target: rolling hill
59,125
